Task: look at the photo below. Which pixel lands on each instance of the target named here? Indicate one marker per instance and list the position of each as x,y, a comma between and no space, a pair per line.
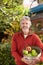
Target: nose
25,24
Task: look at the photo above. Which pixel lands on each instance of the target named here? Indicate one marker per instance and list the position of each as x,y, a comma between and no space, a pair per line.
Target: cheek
21,26
28,26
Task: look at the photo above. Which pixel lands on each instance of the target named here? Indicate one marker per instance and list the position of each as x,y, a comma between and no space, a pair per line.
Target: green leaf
5,1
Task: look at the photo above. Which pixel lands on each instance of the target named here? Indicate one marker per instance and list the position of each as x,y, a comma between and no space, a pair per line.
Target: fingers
30,62
24,60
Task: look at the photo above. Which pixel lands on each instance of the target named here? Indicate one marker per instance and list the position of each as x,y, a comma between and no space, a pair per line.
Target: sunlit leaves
11,11
5,1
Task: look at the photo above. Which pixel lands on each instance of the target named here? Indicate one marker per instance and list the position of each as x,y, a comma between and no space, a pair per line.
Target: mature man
23,39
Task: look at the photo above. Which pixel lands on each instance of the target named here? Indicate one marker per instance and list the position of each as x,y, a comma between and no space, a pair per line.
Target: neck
25,36
25,33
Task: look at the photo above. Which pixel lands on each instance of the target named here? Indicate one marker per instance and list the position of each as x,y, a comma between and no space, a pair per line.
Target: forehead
25,21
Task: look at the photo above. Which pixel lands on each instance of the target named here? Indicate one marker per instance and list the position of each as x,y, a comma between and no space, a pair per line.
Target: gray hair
26,18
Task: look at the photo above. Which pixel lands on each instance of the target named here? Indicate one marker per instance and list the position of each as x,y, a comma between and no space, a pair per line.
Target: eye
22,23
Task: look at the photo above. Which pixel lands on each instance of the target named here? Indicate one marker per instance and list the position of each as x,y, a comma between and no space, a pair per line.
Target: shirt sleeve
39,43
14,52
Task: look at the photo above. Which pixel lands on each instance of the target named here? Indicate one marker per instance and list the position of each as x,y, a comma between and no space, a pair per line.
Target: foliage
41,37
37,27
11,11
5,55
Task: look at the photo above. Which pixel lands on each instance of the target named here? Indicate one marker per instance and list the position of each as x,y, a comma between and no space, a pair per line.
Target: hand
36,60
30,62
25,60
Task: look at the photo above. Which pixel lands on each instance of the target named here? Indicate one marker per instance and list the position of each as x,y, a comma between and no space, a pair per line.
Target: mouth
25,27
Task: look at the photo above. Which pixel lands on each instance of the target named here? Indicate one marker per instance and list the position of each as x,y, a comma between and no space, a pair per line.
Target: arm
38,43
14,52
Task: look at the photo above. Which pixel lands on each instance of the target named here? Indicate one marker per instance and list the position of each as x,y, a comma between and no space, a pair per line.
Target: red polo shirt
19,43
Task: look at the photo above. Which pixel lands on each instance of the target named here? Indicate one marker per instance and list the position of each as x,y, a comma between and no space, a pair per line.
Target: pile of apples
29,52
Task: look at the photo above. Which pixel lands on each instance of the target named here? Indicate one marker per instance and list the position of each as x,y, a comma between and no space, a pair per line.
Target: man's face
25,25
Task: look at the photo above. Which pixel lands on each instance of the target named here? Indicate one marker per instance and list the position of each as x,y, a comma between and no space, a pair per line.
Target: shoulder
16,34
35,35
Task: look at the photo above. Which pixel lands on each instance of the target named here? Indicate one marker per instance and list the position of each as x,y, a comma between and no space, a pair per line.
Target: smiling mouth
25,27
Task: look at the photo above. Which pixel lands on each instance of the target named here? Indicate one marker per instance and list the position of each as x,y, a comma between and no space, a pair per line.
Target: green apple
34,53
25,52
29,55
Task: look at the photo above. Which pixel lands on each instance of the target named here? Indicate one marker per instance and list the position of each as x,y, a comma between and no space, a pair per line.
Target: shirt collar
30,33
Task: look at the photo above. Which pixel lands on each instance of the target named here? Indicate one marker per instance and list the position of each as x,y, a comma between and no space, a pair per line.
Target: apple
25,52
29,55
28,48
34,53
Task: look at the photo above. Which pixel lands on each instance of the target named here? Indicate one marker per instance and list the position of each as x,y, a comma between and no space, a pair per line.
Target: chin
25,32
